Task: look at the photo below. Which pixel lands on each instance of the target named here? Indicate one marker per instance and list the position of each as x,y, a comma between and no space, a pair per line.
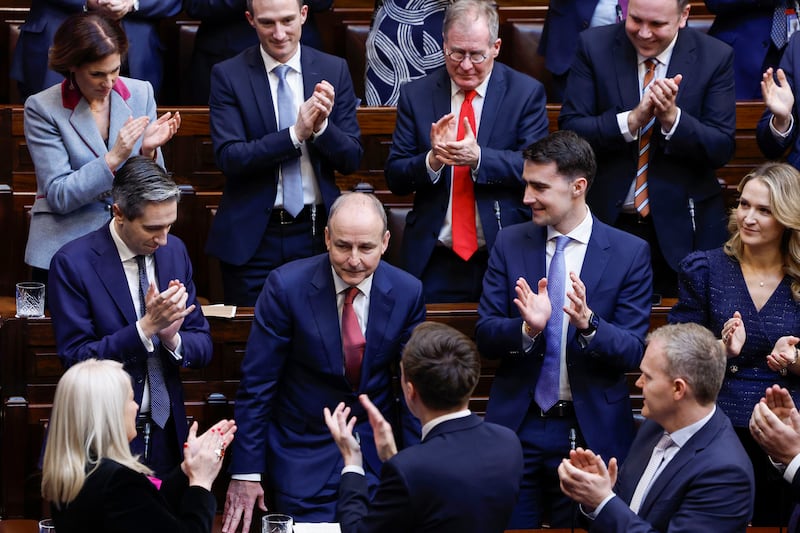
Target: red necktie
640,196
465,238
353,340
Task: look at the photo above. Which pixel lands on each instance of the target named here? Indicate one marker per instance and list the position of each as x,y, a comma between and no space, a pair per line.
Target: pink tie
353,340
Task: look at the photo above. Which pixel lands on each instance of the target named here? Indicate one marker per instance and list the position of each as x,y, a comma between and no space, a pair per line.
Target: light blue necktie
290,169
159,395
546,394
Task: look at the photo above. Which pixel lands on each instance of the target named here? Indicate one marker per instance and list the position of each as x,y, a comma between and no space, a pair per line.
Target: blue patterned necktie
546,394
290,169
159,395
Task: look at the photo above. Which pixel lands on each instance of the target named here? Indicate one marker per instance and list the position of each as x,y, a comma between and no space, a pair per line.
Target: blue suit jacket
618,279
603,82
775,148
73,181
45,16
249,147
294,367
564,21
463,478
94,316
745,25
513,117
707,486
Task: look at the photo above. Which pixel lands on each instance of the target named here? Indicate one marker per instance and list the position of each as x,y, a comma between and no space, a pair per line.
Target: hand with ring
202,454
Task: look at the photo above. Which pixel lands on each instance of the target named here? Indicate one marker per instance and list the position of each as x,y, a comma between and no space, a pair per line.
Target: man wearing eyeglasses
458,146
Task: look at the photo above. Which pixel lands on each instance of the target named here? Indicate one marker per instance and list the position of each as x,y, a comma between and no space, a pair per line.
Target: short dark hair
141,181
695,355
85,38
300,2
572,154
443,364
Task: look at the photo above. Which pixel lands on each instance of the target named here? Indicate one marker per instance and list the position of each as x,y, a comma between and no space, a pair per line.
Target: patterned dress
404,43
711,288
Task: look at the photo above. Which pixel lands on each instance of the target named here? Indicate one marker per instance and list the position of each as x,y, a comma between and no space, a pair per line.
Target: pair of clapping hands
775,425
783,356
348,442
202,455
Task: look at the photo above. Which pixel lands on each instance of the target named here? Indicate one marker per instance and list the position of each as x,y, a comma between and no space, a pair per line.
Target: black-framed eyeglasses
476,58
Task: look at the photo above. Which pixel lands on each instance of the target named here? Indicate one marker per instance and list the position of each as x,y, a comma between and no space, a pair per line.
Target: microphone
573,439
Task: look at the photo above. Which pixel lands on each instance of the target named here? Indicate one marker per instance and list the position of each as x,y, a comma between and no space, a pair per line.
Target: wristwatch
592,327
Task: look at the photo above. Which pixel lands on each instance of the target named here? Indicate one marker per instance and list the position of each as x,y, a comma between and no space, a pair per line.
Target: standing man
656,101
283,119
125,292
458,145
564,347
326,329
440,369
687,470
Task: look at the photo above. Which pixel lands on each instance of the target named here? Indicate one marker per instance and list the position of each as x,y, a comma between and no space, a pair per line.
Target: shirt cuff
433,175
622,123
791,468
599,508
668,134
474,173
147,342
778,135
177,353
322,129
246,477
355,469
295,139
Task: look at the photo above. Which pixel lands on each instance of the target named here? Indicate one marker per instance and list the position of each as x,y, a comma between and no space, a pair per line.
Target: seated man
463,477
687,470
125,292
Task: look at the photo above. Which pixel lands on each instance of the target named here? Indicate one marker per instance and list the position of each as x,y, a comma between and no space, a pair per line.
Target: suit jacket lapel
696,443
381,303
683,60
165,267
111,274
311,74
262,95
83,124
495,94
627,78
596,259
637,462
322,299
534,259
119,113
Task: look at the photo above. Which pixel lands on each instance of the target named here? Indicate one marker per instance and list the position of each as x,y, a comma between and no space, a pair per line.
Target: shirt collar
270,62
340,285
682,436
581,233
444,418
480,89
665,56
125,253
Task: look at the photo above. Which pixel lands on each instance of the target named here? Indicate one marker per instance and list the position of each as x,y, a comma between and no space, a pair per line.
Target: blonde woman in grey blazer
80,131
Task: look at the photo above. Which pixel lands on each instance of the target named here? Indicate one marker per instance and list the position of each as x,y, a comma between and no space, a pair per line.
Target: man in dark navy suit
462,478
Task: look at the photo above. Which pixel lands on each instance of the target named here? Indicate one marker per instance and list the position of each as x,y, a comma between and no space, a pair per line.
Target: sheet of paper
325,527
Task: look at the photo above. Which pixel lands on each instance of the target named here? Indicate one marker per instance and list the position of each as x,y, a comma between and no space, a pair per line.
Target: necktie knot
350,295
281,71
469,96
561,242
665,442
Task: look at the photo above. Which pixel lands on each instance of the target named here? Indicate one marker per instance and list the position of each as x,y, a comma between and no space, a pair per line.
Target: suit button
733,369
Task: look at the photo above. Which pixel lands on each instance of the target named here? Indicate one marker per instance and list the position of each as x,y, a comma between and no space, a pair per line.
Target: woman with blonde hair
748,292
93,481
